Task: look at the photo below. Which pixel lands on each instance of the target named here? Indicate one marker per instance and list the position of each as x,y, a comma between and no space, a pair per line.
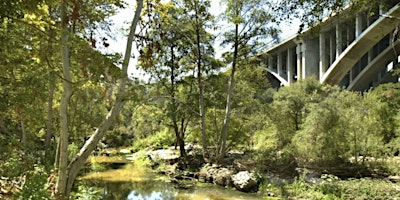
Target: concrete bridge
356,51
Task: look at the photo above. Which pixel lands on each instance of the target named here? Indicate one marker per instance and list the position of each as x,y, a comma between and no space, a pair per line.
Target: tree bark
57,156
70,173
79,160
201,89
49,120
24,145
67,93
225,126
178,135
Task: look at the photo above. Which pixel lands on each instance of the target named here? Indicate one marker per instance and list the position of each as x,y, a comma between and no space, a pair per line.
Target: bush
35,186
367,188
159,140
85,192
331,188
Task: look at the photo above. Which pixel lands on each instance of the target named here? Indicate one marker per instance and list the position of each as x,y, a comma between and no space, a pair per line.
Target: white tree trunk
201,91
49,120
67,93
52,86
225,126
77,162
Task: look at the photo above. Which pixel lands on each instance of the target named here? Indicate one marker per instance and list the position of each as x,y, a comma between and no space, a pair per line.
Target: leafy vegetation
56,109
332,187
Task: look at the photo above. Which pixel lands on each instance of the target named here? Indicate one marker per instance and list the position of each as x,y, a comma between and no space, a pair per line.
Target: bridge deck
375,67
353,53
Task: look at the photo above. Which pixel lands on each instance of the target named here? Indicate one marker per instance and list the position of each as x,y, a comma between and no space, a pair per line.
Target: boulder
201,176
394,179
243,165
215,174
223,177
245,181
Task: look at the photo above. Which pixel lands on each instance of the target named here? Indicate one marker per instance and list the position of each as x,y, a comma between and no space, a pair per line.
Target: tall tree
22,38
61,187
250,23
198,19
166,55
68,172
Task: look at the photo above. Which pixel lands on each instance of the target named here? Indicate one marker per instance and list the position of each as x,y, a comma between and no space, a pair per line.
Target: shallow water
136,182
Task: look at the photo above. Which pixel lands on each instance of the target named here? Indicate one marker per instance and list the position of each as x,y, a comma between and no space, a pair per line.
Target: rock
125,151
243,165
210,175
215,174
245,181
394,179
277,180
309,175
223,177
189,147
201,176
239,166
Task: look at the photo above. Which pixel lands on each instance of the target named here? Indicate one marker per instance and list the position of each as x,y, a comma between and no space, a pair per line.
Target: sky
124,17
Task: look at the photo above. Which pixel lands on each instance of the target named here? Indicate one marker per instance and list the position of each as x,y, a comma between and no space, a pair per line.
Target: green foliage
159,140
15,162
73,149
366,188
11,167
35,186
255,23
385,104
331,188
289,108
324,125
96,167
148,119
86,192
324,129
391,165
311,12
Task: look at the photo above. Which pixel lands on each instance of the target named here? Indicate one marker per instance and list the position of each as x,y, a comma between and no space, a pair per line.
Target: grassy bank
331,187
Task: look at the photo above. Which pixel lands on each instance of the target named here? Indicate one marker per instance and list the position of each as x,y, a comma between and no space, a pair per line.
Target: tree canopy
63,96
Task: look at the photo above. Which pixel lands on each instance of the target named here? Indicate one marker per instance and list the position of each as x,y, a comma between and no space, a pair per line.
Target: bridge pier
279,64
322,55
339,44
290,74
300,61
311,54
346,48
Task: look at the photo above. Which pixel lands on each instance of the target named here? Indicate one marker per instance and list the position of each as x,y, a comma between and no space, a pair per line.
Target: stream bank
237,170
136,180
308,183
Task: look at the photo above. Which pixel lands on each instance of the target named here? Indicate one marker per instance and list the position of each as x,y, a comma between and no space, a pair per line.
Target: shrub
159,140
35,185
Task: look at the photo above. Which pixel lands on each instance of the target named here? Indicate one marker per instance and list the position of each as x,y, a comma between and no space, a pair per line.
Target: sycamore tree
30,34
249,25
67,172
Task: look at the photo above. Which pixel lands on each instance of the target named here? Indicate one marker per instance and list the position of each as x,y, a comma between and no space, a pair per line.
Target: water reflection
160,190
135,182
136,196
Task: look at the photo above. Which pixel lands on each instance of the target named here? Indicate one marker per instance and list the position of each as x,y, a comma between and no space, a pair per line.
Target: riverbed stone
223,177
245,181
394,179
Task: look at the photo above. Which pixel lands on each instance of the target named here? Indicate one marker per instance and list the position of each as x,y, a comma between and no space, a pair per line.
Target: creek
134,181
